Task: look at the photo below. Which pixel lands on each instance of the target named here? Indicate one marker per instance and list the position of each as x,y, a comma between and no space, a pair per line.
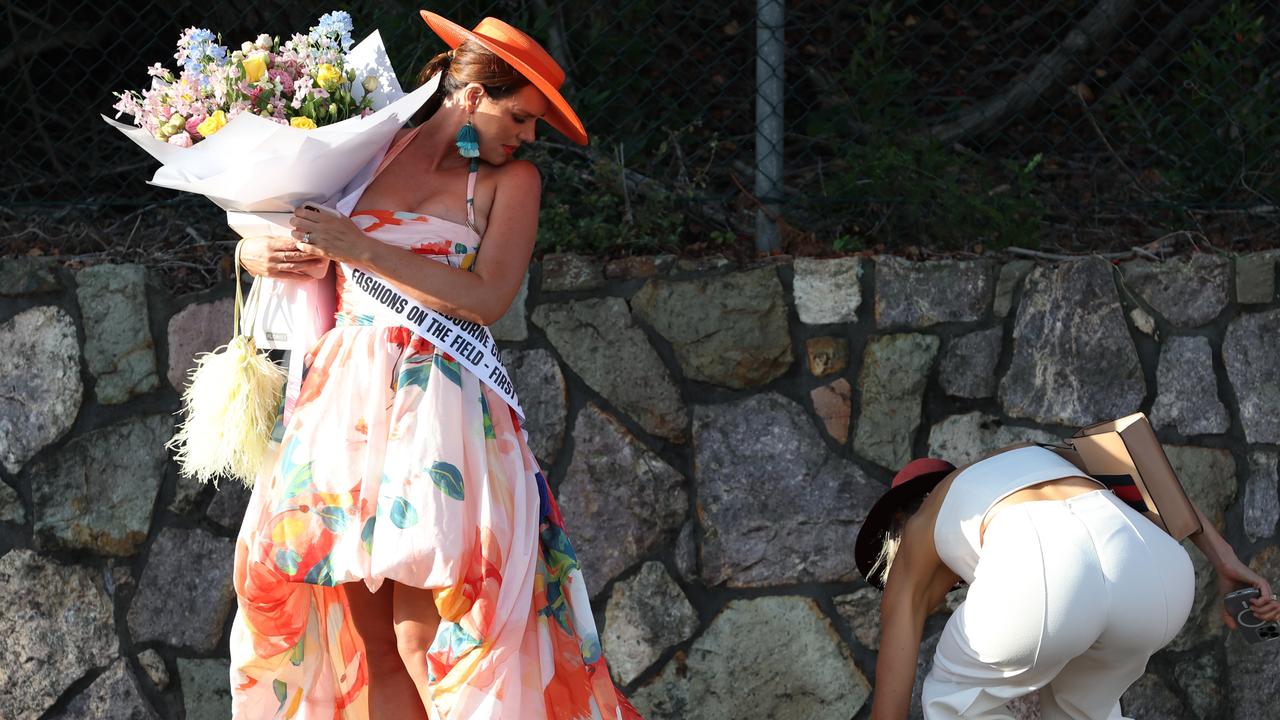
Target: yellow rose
302,121
212,124
328,76
254,67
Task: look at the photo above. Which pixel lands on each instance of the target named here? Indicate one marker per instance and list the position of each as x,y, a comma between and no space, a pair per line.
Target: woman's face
504,125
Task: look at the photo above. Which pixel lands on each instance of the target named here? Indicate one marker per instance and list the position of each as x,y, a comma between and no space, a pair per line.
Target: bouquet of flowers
303,82
270,125
259,131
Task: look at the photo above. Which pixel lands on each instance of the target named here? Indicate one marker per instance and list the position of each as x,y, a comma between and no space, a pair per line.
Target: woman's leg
392,691
1038,600
416,622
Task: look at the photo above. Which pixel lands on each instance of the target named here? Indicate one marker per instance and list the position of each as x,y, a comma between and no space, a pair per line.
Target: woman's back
975,490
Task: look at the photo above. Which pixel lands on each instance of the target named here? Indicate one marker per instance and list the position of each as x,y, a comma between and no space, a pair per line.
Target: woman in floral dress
401,556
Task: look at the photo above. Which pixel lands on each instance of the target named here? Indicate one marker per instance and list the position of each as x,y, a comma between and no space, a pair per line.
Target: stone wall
715,443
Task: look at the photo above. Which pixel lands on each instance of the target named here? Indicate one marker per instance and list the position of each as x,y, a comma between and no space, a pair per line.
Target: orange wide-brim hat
526,56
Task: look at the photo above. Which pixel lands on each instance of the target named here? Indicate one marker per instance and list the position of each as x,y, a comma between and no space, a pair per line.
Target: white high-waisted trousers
1070,598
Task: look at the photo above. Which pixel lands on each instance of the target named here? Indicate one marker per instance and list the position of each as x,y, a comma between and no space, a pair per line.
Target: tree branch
1094,31
1145,64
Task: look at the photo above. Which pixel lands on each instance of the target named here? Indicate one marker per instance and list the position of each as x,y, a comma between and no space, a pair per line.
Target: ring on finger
306,238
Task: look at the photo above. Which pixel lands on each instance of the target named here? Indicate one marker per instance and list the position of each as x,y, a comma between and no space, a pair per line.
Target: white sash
469,343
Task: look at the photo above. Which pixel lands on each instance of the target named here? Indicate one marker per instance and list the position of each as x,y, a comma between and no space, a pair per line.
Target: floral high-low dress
398,464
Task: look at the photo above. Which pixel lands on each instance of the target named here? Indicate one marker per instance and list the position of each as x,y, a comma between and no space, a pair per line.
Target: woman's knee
416,623
413,640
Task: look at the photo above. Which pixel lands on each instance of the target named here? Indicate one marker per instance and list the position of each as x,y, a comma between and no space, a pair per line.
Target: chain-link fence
945,124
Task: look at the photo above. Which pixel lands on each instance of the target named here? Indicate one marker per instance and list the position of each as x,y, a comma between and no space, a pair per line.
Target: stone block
832,404
569,271
1149,697
918,294
1256,277
206,690
962,439
808,671
27,276
11,509
1188,292
153,665
230,501
827,291
1188,389
891,384
969,364
40,387
544,398
513,326
1261,504
1251,674
595,338
118,347
623,502
639,266
765,446
1200,678
1249,351
57,624
195,329
1074,362
185,594
826,355
97,493
861,611
646,615
114,694
1011,276
729,330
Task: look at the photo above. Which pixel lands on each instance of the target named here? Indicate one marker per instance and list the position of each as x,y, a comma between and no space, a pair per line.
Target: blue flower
197,47
335,24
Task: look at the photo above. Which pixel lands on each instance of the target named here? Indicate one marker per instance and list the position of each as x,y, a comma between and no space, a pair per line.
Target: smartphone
1253,628
322,208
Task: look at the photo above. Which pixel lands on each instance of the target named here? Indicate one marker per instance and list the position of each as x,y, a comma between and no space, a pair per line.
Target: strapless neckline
397,213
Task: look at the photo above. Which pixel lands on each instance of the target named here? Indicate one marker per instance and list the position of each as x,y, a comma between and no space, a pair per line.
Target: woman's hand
329,236
1233,575
278,257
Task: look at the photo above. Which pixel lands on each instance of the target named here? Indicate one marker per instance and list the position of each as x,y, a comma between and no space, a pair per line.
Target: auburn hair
468,63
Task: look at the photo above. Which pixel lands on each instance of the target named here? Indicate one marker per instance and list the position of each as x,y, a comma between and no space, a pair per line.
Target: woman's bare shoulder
518,176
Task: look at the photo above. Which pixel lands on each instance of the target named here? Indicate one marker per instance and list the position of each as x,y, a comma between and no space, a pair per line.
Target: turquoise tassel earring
468,141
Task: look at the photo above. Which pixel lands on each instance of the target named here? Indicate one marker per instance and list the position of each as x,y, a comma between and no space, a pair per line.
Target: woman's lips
509,149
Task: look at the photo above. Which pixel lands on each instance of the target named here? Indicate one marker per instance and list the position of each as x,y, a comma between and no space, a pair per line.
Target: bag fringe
230,408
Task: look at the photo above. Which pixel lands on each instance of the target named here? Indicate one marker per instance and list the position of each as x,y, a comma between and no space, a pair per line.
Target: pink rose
193,124
181,139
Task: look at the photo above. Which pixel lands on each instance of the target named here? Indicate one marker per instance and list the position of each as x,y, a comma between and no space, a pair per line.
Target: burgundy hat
915,480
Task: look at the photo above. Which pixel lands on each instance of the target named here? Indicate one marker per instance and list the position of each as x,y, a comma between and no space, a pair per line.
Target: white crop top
977,488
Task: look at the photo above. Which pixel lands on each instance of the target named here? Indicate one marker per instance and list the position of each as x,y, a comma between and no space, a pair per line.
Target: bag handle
244,307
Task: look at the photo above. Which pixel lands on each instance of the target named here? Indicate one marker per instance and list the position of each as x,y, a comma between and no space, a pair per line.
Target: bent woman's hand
1233,575
278,257
329,236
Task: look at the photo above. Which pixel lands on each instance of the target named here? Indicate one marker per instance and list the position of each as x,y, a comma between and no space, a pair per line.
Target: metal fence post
770,59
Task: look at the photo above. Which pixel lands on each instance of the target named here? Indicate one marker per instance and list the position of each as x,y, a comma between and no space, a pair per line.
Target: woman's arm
1232,573
918,581
481,295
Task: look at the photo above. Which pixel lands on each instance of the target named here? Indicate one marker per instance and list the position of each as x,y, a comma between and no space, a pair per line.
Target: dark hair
469,62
